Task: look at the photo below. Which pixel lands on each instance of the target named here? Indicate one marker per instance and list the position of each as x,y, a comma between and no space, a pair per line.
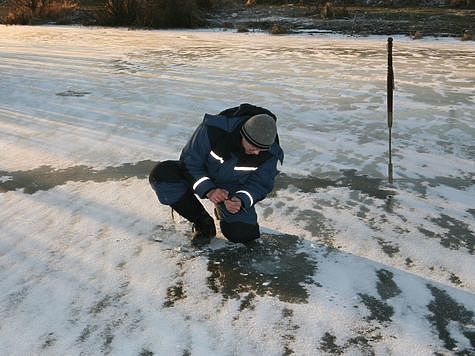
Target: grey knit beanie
260,130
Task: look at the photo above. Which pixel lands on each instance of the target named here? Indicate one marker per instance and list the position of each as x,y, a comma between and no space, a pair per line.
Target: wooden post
390,88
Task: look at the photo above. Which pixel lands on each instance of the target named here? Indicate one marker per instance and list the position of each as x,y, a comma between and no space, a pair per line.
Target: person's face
249,148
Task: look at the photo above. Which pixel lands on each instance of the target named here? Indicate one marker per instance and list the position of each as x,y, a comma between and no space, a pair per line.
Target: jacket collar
230,143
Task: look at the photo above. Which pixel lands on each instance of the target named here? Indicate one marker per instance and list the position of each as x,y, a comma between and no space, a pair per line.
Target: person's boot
203,224
203,230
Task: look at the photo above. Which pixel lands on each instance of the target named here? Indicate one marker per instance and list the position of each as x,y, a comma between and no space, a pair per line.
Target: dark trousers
172,186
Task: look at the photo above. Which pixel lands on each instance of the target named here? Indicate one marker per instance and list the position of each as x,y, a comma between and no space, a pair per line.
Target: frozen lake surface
348,264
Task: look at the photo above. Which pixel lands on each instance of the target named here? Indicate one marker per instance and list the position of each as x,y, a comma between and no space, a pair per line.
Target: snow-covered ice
348,264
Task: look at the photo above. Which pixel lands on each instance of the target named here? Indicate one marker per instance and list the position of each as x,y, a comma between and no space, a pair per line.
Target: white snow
81,271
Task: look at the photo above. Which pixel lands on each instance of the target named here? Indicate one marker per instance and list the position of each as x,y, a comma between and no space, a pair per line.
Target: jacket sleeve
259,184
194,156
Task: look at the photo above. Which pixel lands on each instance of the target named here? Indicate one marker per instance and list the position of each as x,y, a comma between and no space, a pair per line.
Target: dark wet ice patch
379,310
328,344
455,279
174,294
49,340
274,266
387,247
105,319
421,184
317,225
346,178
47,177
373,187
446,316
247,302
288,324
13,300
358,345
146,352
73,93
457,235
386,286
110,300
86,332
125,66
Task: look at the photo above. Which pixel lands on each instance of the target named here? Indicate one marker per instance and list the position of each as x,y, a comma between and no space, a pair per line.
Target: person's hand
233,205
217,195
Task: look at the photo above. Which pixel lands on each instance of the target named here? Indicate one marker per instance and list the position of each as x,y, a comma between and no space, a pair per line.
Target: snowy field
348,264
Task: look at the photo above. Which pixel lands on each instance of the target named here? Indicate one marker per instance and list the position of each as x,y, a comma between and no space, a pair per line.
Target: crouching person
231,159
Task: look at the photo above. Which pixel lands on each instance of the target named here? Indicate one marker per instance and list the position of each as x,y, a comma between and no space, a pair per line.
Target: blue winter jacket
214,158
